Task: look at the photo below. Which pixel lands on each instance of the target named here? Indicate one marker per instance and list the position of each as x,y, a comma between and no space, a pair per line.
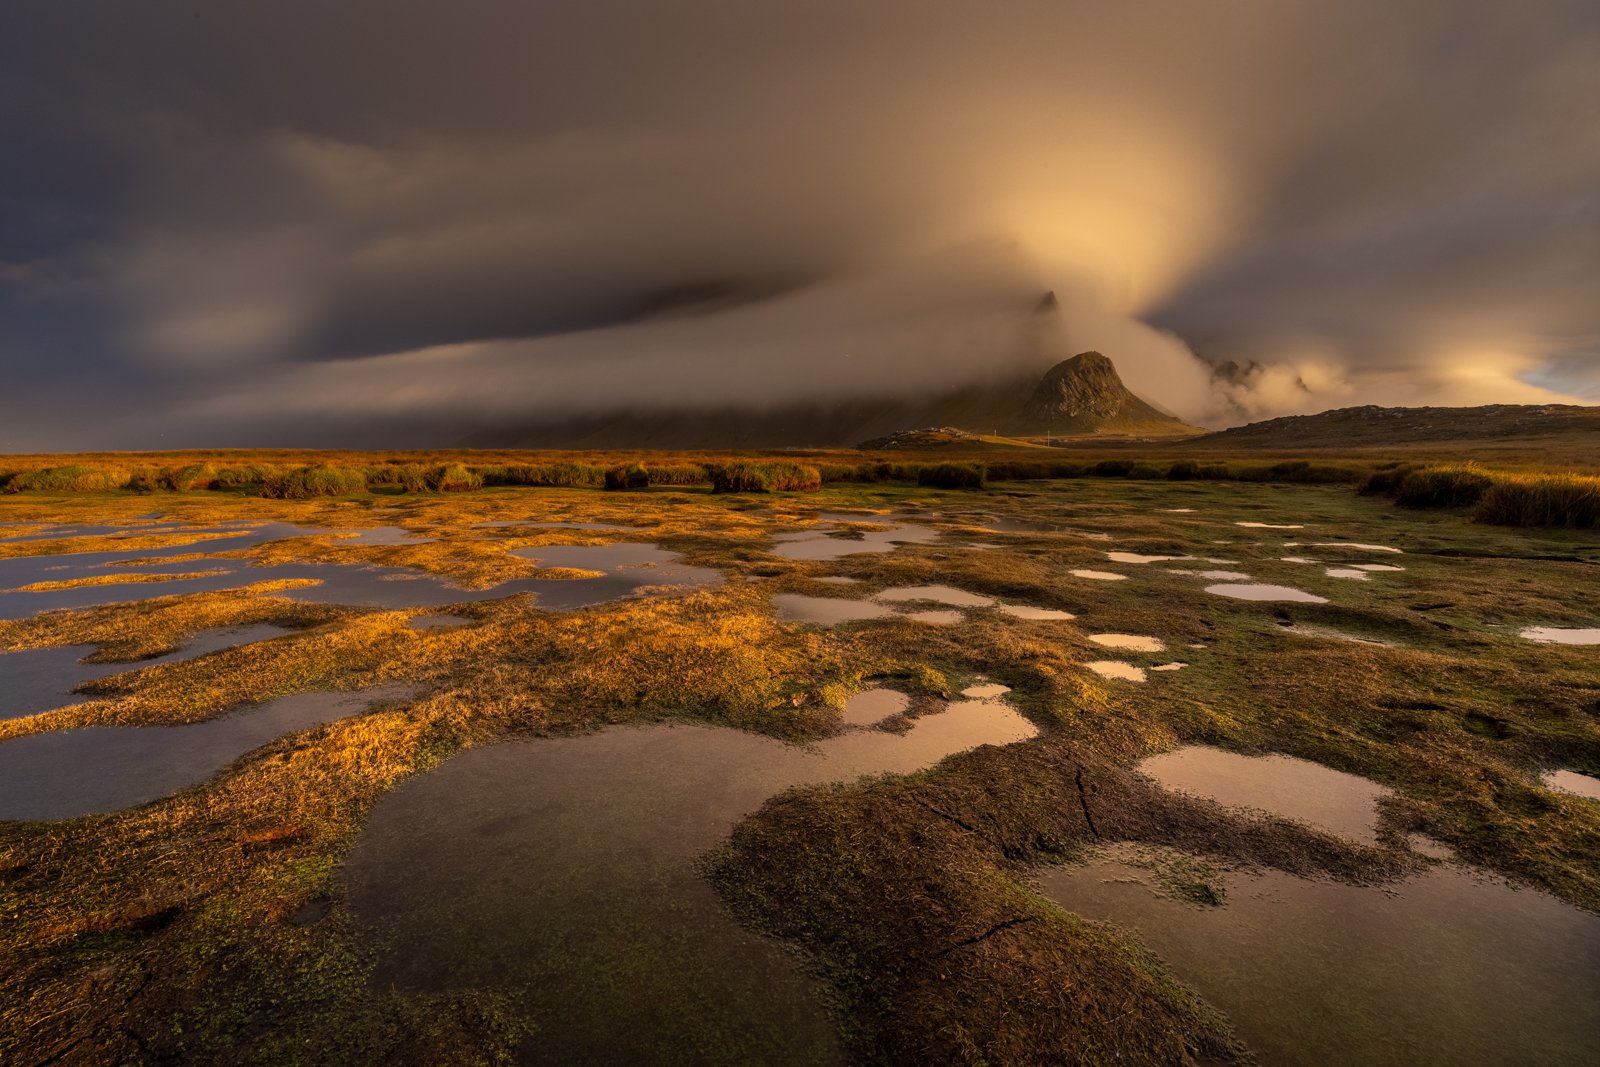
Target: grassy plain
210,926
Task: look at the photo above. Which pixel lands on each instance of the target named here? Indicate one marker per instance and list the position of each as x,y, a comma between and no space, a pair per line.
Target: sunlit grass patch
315,481
133,578
1541,500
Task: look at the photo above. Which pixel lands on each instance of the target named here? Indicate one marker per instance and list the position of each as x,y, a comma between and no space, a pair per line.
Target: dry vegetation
211,927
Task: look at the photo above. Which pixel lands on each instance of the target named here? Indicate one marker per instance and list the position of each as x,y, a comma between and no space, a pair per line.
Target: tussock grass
313,482
407,477
72,479
1541,500
633,476
679,474
764,477
953,476
453,478
564,475
1443,487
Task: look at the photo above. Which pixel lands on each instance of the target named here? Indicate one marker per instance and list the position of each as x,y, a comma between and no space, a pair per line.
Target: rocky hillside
1374,425
1085,395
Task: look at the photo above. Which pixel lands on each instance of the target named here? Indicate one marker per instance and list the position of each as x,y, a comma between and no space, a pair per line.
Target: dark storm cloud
231,215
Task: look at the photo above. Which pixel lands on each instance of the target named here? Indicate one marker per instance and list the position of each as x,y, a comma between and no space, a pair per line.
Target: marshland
806,758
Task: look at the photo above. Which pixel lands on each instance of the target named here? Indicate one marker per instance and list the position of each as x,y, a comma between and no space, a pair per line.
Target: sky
226,222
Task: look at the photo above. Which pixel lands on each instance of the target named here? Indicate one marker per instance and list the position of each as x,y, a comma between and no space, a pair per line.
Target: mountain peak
1085,390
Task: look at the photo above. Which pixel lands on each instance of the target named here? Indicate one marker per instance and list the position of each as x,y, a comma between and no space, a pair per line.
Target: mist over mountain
296,222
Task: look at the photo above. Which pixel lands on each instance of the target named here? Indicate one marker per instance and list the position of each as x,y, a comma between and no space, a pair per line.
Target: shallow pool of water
1128,642
826,610
383,535
1027,611
1342,544
567,868
1442,968
1583,785
1099,576
1563,635
939,594
1326,799
1271,525
935,618
1134,557
1256,591
67,773
1110,668
872,706
1352,573
39,679
627,568
820,546
1302,629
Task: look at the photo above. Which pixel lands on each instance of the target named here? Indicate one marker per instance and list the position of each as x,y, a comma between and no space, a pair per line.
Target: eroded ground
218,922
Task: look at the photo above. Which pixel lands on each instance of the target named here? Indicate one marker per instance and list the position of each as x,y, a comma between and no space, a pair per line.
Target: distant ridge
1374,425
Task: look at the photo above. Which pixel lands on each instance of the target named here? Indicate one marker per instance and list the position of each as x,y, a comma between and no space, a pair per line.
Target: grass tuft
1541,500
953,476
307,482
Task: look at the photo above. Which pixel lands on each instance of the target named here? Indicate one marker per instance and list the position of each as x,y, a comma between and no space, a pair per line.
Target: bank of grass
189,928
1557,499
765,478
1541,500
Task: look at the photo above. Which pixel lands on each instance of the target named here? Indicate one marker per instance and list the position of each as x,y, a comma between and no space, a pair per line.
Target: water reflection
107,768
566,869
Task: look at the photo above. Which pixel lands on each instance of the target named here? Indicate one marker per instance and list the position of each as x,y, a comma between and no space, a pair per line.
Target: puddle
543,525
939,594
437,622
1291,788
1021,526
629,568
1178,511
41,679
872,706
1128,642
1025,611
382,535
1352,573
1270,526
820,546
1442,968
1583,785
826,610
1175,666
1377,567
985,691
1341,544
1298,559
1313,630
567,868
1265,592
107,768
1218,576
1099,576
1134,557
934,618
1107,668
1562,635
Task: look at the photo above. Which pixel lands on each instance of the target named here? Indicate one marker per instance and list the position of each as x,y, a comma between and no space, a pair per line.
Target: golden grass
133,578
175,920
